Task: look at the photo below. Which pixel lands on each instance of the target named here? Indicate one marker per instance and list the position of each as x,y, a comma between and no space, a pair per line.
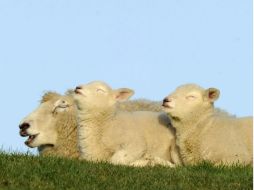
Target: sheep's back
224,137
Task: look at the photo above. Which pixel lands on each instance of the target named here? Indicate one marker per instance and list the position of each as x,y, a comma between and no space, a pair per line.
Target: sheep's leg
152,162
140,163
129,152
144,161
124,157
160,161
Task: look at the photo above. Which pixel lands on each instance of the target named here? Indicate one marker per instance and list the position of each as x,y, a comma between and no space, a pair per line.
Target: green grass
24,172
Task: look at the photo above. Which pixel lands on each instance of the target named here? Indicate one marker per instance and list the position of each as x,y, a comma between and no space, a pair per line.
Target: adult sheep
52,127
205,133
106,133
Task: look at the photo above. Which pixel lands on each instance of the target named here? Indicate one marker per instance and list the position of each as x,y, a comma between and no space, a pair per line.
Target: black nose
24,126
78,88
165,100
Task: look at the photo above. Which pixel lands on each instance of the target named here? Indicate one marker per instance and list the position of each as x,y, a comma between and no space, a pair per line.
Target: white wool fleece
206,133
127,138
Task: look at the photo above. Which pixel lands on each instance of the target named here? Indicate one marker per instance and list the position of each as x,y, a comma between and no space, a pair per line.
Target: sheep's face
40,125
189,100
98,95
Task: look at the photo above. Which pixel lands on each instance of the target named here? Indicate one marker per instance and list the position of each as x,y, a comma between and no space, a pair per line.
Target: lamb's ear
49,96
212,94
123,94
60,105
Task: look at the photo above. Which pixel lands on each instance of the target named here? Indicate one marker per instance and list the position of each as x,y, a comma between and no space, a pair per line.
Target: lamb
205,133
126,138
52,127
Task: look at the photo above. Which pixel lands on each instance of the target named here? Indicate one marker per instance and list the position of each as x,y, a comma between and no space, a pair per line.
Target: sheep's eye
100,90
191,97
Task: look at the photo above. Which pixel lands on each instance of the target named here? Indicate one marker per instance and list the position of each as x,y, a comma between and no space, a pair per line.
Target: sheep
52,127
206,133
106,133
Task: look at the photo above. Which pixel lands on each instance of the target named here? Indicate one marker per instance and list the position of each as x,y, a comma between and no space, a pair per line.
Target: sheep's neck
92,123
190,123
67,131
66,145
185,128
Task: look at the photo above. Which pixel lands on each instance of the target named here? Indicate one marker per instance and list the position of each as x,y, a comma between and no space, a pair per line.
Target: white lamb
107,134
205,133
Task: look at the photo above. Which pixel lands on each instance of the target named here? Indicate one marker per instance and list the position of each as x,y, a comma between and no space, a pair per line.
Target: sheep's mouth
77,91
165,105
23,133
30,139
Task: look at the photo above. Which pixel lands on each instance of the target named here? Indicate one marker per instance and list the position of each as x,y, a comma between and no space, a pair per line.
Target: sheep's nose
78,88
24,126
165,100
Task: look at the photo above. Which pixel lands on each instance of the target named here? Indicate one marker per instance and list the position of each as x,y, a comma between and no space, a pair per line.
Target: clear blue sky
149,46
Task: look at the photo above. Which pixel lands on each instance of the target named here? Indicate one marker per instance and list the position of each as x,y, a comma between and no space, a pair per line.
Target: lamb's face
99,95
189,99
40,125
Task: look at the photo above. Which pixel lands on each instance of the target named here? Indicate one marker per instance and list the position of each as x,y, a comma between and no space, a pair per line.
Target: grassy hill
24,172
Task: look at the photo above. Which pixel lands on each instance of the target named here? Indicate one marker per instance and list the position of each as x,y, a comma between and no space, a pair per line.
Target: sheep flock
96,123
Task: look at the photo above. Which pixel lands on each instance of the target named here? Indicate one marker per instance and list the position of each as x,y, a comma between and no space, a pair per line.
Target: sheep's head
98,95
40,125
190,100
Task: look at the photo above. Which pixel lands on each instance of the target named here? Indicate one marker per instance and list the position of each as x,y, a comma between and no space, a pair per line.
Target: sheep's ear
49,96
123,94
212,94
60,105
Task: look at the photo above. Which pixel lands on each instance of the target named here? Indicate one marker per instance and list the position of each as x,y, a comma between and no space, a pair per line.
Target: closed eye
100,90
191,97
